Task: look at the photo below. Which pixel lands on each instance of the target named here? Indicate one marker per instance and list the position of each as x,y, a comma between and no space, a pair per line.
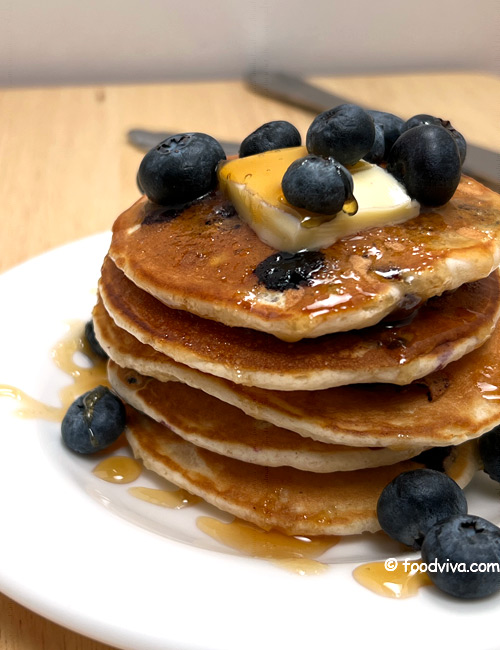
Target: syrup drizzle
29,407
400,583
489,391
175,499
296,554
84,377
118,469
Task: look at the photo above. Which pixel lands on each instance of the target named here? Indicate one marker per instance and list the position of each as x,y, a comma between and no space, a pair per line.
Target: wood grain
67,172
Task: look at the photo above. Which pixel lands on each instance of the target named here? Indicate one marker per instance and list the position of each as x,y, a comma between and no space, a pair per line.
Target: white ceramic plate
89,556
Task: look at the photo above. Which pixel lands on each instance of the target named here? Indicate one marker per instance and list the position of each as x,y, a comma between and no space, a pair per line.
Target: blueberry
468,544
318,184
489,450
95,346
434,458
416,500
272,135
180,169
426,161
392,127
345,133
423,118
283,270
138,182
377,152
94,421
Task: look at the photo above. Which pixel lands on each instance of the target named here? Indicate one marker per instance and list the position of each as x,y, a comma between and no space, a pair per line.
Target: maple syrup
403,582
118,469
296,554
29,407
488,375
84,378
175,499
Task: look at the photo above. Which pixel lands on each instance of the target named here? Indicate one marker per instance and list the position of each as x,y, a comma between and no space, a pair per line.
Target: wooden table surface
67,172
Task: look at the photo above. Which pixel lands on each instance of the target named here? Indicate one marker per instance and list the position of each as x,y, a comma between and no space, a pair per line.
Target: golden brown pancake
203,259
282,498
212,424
450,406
444,329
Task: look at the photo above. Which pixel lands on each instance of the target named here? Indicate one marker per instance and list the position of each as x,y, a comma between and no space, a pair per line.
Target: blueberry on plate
462,555
425,159
391,125
489,450
272,135
95,346
423,118
94,421
318,184
180,169
345,133
416,500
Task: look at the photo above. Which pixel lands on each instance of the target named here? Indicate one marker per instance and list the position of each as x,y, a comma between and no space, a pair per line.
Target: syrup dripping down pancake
282,498
444,329
450,406
202,259
212,424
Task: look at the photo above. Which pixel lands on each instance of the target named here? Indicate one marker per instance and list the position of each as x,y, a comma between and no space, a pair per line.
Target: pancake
212,424
203,259
450,406
282,498
444,329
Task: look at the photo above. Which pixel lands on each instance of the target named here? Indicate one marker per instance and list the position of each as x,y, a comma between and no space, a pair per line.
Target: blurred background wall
88,41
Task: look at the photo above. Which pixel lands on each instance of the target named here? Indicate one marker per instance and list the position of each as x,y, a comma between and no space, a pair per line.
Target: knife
483,164
146,140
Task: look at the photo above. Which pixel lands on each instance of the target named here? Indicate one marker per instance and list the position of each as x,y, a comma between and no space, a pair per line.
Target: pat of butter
253,185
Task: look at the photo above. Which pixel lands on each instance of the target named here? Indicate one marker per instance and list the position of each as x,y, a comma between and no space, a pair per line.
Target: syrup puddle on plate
296,554
403,582
84,377
29,407
175,499
118,469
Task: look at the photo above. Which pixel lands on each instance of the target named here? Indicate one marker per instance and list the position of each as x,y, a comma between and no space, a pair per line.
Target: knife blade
482,164
293,90
146,140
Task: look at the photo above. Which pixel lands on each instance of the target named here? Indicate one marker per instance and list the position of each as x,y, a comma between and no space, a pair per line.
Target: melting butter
253,185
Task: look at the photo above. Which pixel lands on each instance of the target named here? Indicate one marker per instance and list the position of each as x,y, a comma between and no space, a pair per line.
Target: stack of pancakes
293,407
